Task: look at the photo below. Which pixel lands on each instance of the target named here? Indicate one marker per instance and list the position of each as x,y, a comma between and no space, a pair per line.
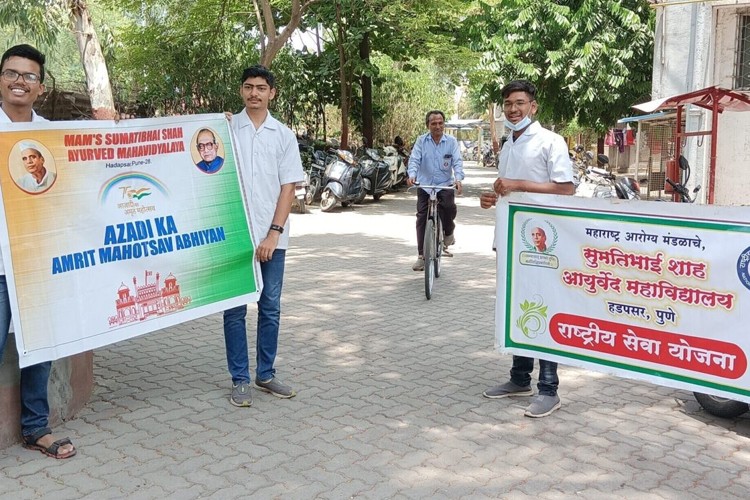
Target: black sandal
30,443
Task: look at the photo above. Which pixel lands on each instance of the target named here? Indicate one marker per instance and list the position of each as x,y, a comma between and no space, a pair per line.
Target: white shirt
4,119
538,155
270,158
29,183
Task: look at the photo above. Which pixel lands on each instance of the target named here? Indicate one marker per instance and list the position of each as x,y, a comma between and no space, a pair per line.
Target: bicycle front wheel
429,257
438,246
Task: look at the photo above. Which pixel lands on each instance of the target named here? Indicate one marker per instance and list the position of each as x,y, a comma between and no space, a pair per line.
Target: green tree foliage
37,20
403,97
591,59
63,66
404,31
180,57
43,20
306,85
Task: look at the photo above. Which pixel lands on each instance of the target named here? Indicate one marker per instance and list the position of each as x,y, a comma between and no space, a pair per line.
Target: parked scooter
344,183
489,158
376,174
397,164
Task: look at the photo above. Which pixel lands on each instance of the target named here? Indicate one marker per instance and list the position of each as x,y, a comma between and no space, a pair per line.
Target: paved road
389,402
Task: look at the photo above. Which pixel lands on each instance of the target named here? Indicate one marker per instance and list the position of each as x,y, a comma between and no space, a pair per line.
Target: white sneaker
418,264
449,240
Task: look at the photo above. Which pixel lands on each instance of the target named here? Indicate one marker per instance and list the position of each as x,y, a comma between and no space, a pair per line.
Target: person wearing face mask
533,160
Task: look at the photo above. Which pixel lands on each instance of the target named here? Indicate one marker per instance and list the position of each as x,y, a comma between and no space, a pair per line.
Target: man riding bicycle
435,160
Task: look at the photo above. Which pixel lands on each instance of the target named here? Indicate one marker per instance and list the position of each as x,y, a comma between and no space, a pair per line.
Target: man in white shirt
271,167
533,160
21,82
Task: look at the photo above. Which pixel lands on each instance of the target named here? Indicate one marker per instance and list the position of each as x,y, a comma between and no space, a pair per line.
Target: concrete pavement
389,398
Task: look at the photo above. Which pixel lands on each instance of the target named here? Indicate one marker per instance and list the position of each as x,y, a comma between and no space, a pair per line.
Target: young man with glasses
207,147
533,160
21,82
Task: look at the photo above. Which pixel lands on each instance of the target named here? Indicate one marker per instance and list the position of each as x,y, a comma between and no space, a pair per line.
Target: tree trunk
342,77
275,41
493,130
321,106
367,126
92,58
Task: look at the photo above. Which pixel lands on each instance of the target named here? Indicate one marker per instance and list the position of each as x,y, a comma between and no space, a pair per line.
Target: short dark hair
433,112
27,52
261,71
519,86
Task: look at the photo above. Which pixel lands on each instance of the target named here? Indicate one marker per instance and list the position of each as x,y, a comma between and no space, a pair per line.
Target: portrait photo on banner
32,167
207,151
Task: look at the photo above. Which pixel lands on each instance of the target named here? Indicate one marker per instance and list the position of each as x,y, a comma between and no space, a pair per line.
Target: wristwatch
276,227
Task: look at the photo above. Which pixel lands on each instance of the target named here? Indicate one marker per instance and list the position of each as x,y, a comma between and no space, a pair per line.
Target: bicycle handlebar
425,186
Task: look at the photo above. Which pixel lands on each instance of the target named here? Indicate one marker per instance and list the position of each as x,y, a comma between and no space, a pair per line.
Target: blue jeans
520,374
34,404
267,331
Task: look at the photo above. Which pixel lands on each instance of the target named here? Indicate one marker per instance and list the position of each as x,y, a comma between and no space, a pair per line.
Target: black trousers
446,208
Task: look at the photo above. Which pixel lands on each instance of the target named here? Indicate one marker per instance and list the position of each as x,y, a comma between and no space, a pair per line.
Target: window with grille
743,54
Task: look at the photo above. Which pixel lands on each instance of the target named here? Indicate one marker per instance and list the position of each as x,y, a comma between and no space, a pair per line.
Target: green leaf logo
533,320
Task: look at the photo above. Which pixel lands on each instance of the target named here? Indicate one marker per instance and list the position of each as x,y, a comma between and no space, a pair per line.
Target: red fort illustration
149,300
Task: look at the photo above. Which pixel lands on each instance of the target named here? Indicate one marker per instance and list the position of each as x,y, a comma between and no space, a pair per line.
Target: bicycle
432,248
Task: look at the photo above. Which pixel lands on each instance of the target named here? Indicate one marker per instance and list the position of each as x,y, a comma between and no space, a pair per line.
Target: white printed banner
112,230
655,291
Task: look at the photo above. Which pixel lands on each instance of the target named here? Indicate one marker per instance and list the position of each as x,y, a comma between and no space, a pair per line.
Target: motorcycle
317,171
599,182
679,187
581,159
489,158
469,151
300,191
376,174
344,182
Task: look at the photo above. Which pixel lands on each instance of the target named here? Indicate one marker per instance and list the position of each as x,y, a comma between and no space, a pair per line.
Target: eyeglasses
208,146
518,104
10,75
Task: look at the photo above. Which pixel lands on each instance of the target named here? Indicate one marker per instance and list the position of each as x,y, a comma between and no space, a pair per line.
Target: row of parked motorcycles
336,176
596,180
486,155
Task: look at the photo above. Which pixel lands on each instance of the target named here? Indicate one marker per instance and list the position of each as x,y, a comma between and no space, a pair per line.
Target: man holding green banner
270,168
533,160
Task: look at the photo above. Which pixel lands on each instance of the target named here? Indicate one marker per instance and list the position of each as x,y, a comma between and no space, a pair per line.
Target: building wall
695,47
733,152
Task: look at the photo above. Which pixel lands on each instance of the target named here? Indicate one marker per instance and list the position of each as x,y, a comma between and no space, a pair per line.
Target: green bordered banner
113,230
648,290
